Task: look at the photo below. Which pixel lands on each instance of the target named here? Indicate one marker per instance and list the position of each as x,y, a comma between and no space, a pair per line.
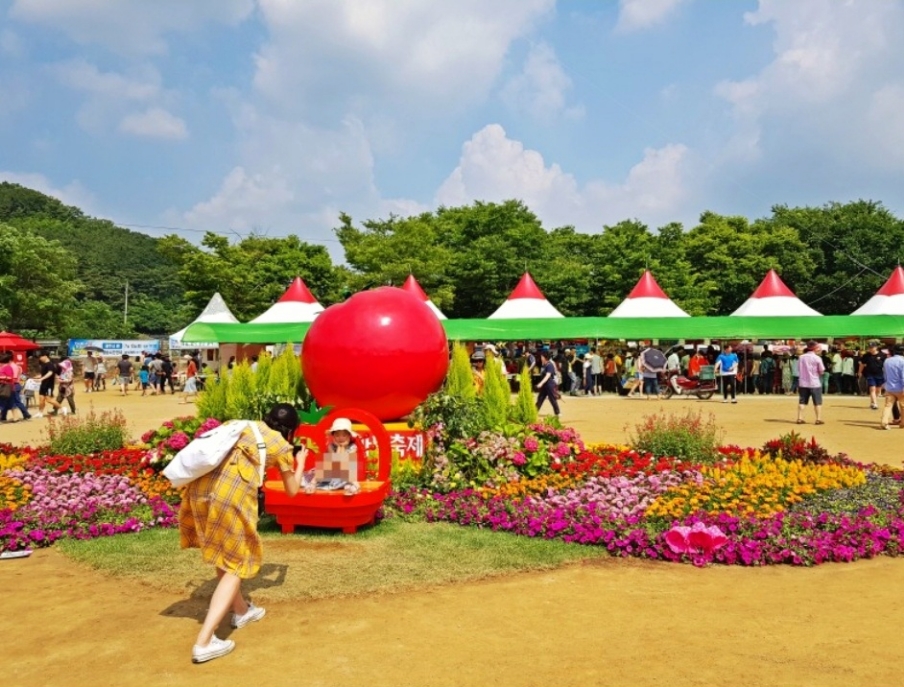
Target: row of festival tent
772,298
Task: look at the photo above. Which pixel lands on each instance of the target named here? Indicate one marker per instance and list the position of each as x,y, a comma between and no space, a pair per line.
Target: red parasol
14,342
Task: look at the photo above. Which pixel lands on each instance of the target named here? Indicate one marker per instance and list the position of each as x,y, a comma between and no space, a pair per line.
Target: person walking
547,385
871,367
10,374
124,368
837,369
848,373
219,514
47,379
727,369
66,386
89,372
893,372
650,363
811,369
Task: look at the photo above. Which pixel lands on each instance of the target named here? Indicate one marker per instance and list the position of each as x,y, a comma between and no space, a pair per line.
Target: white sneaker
217,647
37,414
64,411
252,615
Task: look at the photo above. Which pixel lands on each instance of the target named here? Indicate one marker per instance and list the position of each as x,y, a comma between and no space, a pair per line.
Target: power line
210,231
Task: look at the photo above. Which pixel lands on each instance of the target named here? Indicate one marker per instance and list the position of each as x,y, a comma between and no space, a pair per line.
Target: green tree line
64,274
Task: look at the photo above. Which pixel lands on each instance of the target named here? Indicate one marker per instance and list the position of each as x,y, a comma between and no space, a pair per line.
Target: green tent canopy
696,328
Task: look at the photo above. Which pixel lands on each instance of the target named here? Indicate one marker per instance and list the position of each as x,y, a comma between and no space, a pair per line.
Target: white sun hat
342,423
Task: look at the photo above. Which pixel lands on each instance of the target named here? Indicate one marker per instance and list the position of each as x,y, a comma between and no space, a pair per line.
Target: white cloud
154,122
886,125
830,59
634,15
494,167
71,194
128,26
541,87
384,52
81,75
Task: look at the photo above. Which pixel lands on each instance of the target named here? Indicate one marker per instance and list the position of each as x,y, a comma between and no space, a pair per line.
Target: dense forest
64,274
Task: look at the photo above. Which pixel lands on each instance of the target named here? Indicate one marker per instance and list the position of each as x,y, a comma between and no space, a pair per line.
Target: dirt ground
619,622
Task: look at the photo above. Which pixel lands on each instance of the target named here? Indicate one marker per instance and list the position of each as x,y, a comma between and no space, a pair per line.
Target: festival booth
412,287
526,301
297,304
216,311
647,299
889,300
773,298
17,345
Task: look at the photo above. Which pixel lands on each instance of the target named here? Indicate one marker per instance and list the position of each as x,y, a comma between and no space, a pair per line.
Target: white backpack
206,452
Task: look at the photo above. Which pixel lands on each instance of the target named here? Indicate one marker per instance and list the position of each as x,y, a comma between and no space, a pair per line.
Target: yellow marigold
14,493
755,485
11,460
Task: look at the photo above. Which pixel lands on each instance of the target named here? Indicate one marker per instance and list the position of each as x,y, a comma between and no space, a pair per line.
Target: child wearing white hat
339,464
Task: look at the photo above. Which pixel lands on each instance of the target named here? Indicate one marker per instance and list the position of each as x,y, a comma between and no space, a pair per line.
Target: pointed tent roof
889,300
647,299
526,301
297,304
773,298
411,286
216,311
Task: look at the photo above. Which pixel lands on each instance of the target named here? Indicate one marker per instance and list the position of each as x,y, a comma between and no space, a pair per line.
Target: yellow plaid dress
219,510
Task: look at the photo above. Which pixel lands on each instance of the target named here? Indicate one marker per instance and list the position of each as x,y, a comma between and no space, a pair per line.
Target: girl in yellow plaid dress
219,515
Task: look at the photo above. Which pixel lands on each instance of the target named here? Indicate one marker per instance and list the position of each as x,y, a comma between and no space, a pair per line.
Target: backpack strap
261,450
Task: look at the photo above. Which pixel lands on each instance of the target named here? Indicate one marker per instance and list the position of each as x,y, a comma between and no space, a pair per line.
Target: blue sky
275,115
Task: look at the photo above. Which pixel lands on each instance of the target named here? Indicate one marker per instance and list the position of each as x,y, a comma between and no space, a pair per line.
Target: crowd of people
808,371
53,385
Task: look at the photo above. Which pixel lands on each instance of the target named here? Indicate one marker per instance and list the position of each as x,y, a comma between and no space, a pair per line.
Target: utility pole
125,314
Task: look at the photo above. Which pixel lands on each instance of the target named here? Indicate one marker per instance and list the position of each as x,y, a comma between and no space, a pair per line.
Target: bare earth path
616,623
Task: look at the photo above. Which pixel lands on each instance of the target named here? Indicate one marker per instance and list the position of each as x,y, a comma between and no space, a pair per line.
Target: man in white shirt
837,369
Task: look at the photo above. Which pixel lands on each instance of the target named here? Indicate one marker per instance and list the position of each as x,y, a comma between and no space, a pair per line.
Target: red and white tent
647,299
412,287
526,301
889,300
773,298
297,304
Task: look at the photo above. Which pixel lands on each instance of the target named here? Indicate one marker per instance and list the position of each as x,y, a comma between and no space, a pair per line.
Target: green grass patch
393,556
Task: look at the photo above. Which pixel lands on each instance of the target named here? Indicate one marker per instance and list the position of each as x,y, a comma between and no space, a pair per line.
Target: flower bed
790,502
739,506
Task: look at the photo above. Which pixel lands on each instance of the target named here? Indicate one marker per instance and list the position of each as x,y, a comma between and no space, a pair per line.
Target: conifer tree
524,411
496,394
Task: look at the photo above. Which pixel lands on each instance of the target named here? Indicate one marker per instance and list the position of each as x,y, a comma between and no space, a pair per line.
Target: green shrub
460,378
524,412
448,417
688,437
212,401
496,394
88,433
241,402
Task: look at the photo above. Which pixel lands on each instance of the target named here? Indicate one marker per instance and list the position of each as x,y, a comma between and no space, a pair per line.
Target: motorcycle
703,387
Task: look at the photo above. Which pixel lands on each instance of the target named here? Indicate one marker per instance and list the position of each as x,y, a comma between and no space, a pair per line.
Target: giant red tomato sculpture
383,351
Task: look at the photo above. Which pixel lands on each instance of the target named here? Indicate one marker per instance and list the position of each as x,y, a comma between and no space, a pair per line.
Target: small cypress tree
285,379
496,394
460,378
524,411
240,401
212,401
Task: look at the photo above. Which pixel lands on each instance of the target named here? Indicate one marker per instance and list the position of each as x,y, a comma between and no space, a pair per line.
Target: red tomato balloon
383,351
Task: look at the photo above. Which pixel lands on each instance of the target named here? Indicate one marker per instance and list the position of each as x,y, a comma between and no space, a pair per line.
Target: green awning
829,326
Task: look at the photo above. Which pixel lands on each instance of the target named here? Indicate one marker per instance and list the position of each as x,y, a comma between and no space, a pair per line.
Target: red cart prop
334,509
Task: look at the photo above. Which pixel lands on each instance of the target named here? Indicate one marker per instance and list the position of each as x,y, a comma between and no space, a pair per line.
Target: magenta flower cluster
792,538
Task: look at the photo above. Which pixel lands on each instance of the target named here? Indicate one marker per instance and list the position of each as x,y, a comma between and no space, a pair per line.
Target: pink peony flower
531,444
518,458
